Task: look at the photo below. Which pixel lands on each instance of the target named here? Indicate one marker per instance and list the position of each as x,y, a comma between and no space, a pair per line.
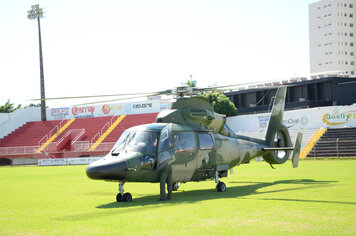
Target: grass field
318,198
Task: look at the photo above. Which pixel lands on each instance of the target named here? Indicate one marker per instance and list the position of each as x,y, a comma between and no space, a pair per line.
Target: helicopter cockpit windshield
136,141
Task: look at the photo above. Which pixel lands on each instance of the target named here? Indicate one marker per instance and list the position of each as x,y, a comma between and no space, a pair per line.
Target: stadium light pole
36,13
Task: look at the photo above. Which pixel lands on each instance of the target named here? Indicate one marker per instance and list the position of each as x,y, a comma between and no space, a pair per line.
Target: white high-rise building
332,37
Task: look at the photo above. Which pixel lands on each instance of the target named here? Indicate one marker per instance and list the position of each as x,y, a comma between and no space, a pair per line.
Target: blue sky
118,46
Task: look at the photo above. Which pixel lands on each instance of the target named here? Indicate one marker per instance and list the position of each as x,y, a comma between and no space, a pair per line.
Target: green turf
318,198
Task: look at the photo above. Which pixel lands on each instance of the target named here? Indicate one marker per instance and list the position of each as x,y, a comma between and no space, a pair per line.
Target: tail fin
278,141
296,152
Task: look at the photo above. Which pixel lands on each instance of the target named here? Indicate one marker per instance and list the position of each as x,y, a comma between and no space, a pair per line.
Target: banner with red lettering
149,106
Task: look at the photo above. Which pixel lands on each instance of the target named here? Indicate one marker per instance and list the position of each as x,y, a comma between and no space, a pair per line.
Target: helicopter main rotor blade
117,99
228,86
91,96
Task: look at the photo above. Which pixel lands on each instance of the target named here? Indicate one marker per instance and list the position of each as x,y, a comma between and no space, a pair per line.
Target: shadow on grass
231,192
183,197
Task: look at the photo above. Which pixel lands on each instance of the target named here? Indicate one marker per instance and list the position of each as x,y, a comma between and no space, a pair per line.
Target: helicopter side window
205,141
184,142
164,141
165,152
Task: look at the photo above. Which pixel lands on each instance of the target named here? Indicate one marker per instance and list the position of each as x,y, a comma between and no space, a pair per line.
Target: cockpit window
137,141
119,145
143,141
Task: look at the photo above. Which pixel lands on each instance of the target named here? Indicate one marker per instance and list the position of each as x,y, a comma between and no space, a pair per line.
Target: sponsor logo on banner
164,105
128,108
137,106
109,108
264,120
106,109
81,112
63,111
339,118
142,105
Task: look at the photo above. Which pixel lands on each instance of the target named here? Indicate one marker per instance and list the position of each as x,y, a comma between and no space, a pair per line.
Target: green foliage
34,105
191,83
221,103
9,107
318,198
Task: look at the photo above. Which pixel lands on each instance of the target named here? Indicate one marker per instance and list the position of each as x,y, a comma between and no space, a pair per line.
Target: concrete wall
11,121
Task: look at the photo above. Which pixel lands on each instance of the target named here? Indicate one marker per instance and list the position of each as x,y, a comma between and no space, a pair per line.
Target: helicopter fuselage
194,154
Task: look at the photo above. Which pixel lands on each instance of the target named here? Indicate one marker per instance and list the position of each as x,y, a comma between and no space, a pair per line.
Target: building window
351,53
351,34
351,15
352,72
352,63
351,25
351,44
351,6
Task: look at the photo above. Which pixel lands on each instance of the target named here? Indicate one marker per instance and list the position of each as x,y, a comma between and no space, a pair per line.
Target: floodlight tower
36,13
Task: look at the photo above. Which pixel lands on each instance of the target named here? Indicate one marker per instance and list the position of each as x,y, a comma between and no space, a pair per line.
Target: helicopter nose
109,170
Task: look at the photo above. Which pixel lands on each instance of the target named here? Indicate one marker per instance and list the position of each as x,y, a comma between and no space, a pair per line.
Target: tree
221,103
191,83
34,105
8,107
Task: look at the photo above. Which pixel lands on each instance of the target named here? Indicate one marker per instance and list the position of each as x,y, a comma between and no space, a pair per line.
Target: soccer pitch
317,198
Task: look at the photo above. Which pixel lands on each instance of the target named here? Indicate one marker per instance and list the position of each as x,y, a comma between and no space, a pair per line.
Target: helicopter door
205,157
184,155
165,153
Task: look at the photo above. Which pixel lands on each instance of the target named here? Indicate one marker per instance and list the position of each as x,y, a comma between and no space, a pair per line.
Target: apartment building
332,37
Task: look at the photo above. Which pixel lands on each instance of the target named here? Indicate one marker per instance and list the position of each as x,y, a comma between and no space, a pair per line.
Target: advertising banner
149,106
313,118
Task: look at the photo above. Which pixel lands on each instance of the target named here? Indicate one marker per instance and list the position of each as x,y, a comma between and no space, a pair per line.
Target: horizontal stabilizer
278,149
296,152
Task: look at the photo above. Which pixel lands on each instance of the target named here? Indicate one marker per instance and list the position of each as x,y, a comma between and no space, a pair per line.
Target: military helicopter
195,143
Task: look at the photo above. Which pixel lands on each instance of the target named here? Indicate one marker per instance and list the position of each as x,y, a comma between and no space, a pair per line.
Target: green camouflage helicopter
190,142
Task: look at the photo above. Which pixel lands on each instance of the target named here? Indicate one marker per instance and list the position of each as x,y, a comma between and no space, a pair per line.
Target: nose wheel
121,197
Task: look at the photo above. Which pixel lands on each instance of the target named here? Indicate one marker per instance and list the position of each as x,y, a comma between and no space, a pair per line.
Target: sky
95,47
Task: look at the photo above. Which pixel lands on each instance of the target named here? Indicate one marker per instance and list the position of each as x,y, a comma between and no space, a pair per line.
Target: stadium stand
336,142
68,138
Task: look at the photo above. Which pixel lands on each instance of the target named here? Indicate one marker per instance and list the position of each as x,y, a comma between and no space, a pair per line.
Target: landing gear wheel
119,197
175,186
221,187
127,197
